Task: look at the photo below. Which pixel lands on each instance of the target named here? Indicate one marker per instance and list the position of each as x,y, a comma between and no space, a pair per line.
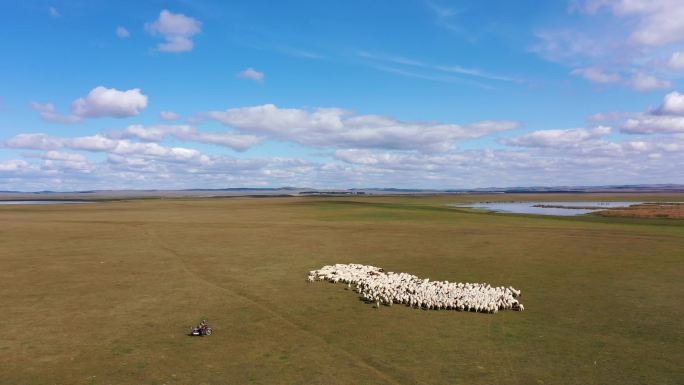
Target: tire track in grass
353,357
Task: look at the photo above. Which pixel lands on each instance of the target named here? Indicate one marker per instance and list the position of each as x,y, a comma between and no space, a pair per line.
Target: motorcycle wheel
208,332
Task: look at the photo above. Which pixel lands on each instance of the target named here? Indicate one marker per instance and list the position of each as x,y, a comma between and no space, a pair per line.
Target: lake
574,208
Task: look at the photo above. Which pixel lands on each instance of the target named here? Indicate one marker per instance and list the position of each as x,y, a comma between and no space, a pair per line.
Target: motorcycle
203,329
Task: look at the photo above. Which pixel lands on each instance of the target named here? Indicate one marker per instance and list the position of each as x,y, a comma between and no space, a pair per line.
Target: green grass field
105,293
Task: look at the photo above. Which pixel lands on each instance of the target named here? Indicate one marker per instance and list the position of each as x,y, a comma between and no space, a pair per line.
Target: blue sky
421,94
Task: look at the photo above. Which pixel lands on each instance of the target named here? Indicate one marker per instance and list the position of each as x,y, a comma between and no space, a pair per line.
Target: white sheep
380,287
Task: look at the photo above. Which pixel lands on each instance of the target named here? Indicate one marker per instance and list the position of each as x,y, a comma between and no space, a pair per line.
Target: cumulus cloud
668,118
100,102
645,82
339,128
673,104
169,115
99,143
595,162
122,32
64,156
150,165
234,140
61,161
625,42
252,74
49,113
33,142
656,22
368,150
130,164
177,29
13,165
558,138
597,76
676,61
654,124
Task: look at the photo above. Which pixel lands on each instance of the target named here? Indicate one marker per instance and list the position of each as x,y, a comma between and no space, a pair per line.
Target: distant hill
304,191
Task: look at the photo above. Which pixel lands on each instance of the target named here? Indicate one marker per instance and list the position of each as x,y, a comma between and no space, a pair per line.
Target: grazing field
104,293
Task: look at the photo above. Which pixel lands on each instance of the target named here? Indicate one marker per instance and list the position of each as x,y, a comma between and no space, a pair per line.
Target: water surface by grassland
570,208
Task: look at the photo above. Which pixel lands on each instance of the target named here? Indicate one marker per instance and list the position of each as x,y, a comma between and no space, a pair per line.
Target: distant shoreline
116,195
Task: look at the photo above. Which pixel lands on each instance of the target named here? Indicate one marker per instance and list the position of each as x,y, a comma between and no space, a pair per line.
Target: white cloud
662,22
169,115
252,74
176,44
49,113
92,143
595,162
654,124
65,156
435,77
54,13
638,82
673,104
61,161
339,128
645,82
100,102
611,116
177,29
13,165
99,143
34,142
445,18
656,22
368,150
597,76
558,138
149,165
668,118
572,47
676,61
626,42
122,32
234,140
435,68
149,134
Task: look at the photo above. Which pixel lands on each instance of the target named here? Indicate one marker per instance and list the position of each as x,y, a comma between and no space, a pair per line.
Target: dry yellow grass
659,210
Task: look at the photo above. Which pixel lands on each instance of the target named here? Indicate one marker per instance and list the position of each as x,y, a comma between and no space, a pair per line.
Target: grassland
104,293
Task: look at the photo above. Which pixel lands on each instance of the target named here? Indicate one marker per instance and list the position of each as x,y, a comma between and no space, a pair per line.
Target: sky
340,94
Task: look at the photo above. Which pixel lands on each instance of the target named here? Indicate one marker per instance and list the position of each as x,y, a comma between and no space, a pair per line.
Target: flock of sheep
376,285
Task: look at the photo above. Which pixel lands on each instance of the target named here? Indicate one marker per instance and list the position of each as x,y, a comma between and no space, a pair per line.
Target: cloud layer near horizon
362,150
